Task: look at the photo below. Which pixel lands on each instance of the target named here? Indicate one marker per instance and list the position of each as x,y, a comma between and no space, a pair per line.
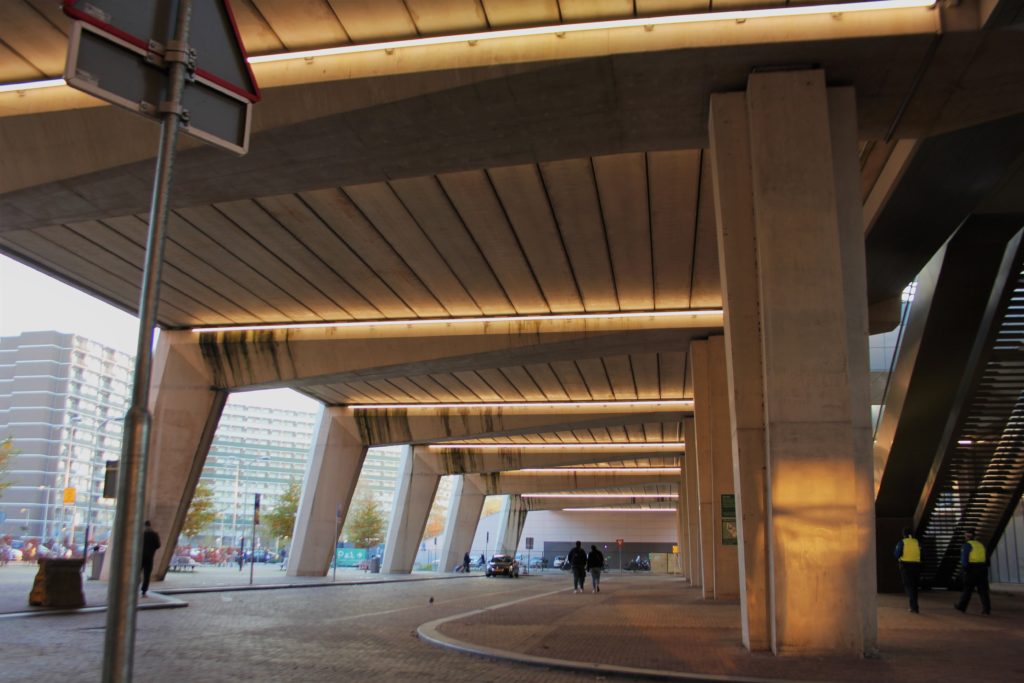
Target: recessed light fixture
653,404
620,446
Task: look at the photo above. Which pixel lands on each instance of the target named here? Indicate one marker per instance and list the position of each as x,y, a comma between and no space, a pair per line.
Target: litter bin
375,564
96,568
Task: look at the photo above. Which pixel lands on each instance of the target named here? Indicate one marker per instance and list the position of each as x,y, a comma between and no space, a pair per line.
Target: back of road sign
220,55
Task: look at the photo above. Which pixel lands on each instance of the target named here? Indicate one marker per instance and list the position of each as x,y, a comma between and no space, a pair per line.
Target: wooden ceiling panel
224,260
370,393
545,377
257,36
213,224
635,432
125,253
367,21
622,186
590,10
351,394
14,69
571,380
438,392
648,8
616,433
646,375
596,377
30,35
432,210
338,211
381,207
392,391
375,296
671,366
413,390
199,266
653,431
509,13
478,386
523,383
433,17
499,383
574,199
525,200
674,178
707,290
302,24
472,195
620,373
288,261
455,387
62,262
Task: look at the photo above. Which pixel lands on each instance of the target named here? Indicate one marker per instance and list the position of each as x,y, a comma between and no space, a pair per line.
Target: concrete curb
430,633
320,584
165,602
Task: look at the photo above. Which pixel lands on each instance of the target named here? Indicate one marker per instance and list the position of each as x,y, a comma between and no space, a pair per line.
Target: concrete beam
417,485
502,483
327,489
185,410
316,356
397,426
463,518
694,568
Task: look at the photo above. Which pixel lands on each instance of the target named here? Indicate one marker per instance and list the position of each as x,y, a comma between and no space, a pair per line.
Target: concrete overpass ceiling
621,377
631,433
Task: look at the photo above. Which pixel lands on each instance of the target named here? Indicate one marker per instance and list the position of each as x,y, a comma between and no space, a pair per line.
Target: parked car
505,565
559,562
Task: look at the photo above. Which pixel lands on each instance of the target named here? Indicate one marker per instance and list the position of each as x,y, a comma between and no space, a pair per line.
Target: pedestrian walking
908,552
975,563
577,559
465,563
595,563
150,544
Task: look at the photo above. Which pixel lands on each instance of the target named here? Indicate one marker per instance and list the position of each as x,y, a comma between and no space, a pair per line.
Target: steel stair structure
949,452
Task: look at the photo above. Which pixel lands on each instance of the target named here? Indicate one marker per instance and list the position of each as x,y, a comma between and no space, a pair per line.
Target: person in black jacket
150,544
595,563
577,559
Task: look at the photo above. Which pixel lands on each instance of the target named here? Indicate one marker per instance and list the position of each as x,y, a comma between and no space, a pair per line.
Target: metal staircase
980,481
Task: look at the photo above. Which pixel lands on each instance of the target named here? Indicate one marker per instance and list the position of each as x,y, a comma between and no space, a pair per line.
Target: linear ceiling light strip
671,404
620,446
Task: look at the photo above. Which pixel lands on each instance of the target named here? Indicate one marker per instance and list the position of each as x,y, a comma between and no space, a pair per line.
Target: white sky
31,301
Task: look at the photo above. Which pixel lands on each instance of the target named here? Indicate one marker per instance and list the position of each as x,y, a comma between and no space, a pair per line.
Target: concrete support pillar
185,410
694,568
513,519
791,248
715,488
337,458
463,517
682,530
417,484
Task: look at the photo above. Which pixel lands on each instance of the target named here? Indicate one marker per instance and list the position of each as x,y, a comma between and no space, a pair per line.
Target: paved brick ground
367,633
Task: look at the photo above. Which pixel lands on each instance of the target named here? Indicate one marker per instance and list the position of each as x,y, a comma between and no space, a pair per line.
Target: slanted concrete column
185,409
463,517
785,171
693,556
714,469
513,519
337,458
417,484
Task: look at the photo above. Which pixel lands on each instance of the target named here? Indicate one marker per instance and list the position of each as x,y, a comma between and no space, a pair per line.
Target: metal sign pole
255,522
123,590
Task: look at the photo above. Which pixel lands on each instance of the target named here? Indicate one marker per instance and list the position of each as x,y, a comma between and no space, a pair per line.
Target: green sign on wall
729,531
349,557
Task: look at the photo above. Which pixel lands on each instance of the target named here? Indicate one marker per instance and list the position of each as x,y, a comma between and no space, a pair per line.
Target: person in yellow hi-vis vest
908,552
975,563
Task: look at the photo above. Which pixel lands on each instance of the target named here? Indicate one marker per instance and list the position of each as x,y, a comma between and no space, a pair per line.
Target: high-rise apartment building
62,399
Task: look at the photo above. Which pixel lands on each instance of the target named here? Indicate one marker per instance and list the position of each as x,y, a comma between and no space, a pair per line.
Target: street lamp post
90,489
74,419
